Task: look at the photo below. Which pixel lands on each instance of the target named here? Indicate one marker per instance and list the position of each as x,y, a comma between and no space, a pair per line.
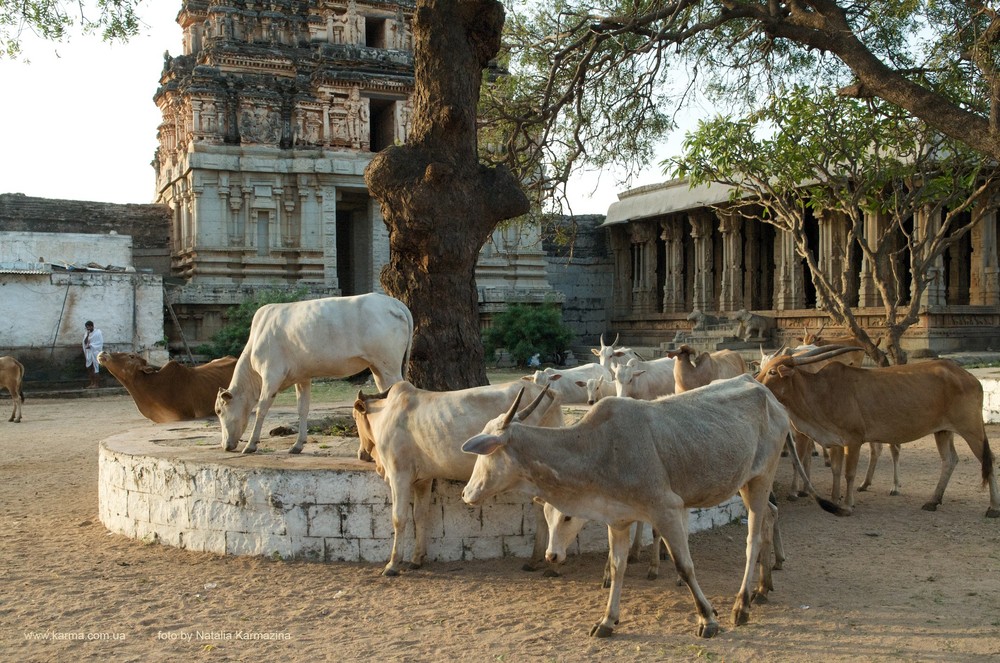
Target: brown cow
693,369
848,406
173,392
11,377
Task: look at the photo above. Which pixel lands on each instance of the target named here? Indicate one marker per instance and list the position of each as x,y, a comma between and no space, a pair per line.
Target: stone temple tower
270,116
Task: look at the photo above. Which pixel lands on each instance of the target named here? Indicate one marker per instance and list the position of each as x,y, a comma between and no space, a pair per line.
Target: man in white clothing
93,343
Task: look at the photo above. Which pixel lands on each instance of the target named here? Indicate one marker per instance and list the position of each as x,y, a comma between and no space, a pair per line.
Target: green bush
233,337
524,330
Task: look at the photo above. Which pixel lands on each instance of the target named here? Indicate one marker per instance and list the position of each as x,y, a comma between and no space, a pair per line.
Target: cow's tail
987,462
404,369
824,504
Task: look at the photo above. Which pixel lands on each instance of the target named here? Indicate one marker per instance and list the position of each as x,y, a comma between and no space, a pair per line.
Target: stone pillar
789,288
328,213
622,297
926,224
830,252
673,283
868,294
701,232
984,286
731,227
245,233
643,260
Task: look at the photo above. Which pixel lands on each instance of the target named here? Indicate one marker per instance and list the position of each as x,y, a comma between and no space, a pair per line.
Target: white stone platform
173,484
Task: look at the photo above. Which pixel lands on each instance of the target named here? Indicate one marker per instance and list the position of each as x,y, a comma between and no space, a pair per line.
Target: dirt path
891,582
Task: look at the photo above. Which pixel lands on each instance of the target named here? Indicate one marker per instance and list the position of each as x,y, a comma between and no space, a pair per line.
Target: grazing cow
172,392
567,382
848,406
629,460
694,370
645,380
11,379
413,433
609,355
295,342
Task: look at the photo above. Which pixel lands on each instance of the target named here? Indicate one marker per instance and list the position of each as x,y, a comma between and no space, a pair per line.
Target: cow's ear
482,444
784,371
555,377
529,378
225,394
581,383
149,370
538,500
597,353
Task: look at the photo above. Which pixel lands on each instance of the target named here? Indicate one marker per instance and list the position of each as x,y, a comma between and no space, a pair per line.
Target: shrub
233,337
525,330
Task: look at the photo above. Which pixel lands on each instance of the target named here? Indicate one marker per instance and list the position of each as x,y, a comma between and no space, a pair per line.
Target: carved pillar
926,224
731,295
328,219
984,286
868,294
246,233
789,286
643,259
703,298
673,282
622,297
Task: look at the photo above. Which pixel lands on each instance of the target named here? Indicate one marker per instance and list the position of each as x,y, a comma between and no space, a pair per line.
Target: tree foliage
114,20
233,336
810,150
525,330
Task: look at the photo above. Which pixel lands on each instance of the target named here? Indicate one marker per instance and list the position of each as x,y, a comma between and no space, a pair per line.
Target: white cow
645,380
609,355
567,382
414,432
293,343
629,460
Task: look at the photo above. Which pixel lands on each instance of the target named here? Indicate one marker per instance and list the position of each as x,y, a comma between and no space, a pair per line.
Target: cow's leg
421,510
949,459
803,449
980,446
779,549
400,486
263,405
672,523
633,551
874,451
852,453
538,550
618,542
894,452
754,494
654,556
303,396
836,468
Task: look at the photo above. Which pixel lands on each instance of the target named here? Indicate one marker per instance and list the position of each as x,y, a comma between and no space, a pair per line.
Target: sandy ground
892,582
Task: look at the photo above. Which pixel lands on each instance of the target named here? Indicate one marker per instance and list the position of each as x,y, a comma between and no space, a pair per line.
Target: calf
292,343
413,435
694,369
848,406
11,379
629,460
172,392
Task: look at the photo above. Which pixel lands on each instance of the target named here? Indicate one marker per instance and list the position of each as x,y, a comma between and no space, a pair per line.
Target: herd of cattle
662,436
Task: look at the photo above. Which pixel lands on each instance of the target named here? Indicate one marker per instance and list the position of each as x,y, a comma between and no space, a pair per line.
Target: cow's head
233,413
777,373
367,406
563,530
494,472
606,353
625,375
593,387
124,364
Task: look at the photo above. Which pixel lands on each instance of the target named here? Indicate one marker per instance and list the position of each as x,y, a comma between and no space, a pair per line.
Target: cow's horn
526,412
822,353
513,409
615,342
602,340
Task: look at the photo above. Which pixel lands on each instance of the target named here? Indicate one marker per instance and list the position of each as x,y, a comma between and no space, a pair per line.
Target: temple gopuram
270,116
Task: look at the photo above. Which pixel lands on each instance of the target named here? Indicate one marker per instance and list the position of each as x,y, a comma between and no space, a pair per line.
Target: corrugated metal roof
24,268
667,198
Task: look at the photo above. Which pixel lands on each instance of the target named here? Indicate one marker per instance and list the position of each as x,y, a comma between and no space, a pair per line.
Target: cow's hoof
792,497
759,598
862,489
740,617
390,573
248,450
601,631
293,450
708,630
992,513
365,456
894,492
930,506
550,573
803,493
652,575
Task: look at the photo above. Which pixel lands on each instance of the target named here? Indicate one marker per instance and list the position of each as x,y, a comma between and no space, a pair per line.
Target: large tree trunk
439,203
